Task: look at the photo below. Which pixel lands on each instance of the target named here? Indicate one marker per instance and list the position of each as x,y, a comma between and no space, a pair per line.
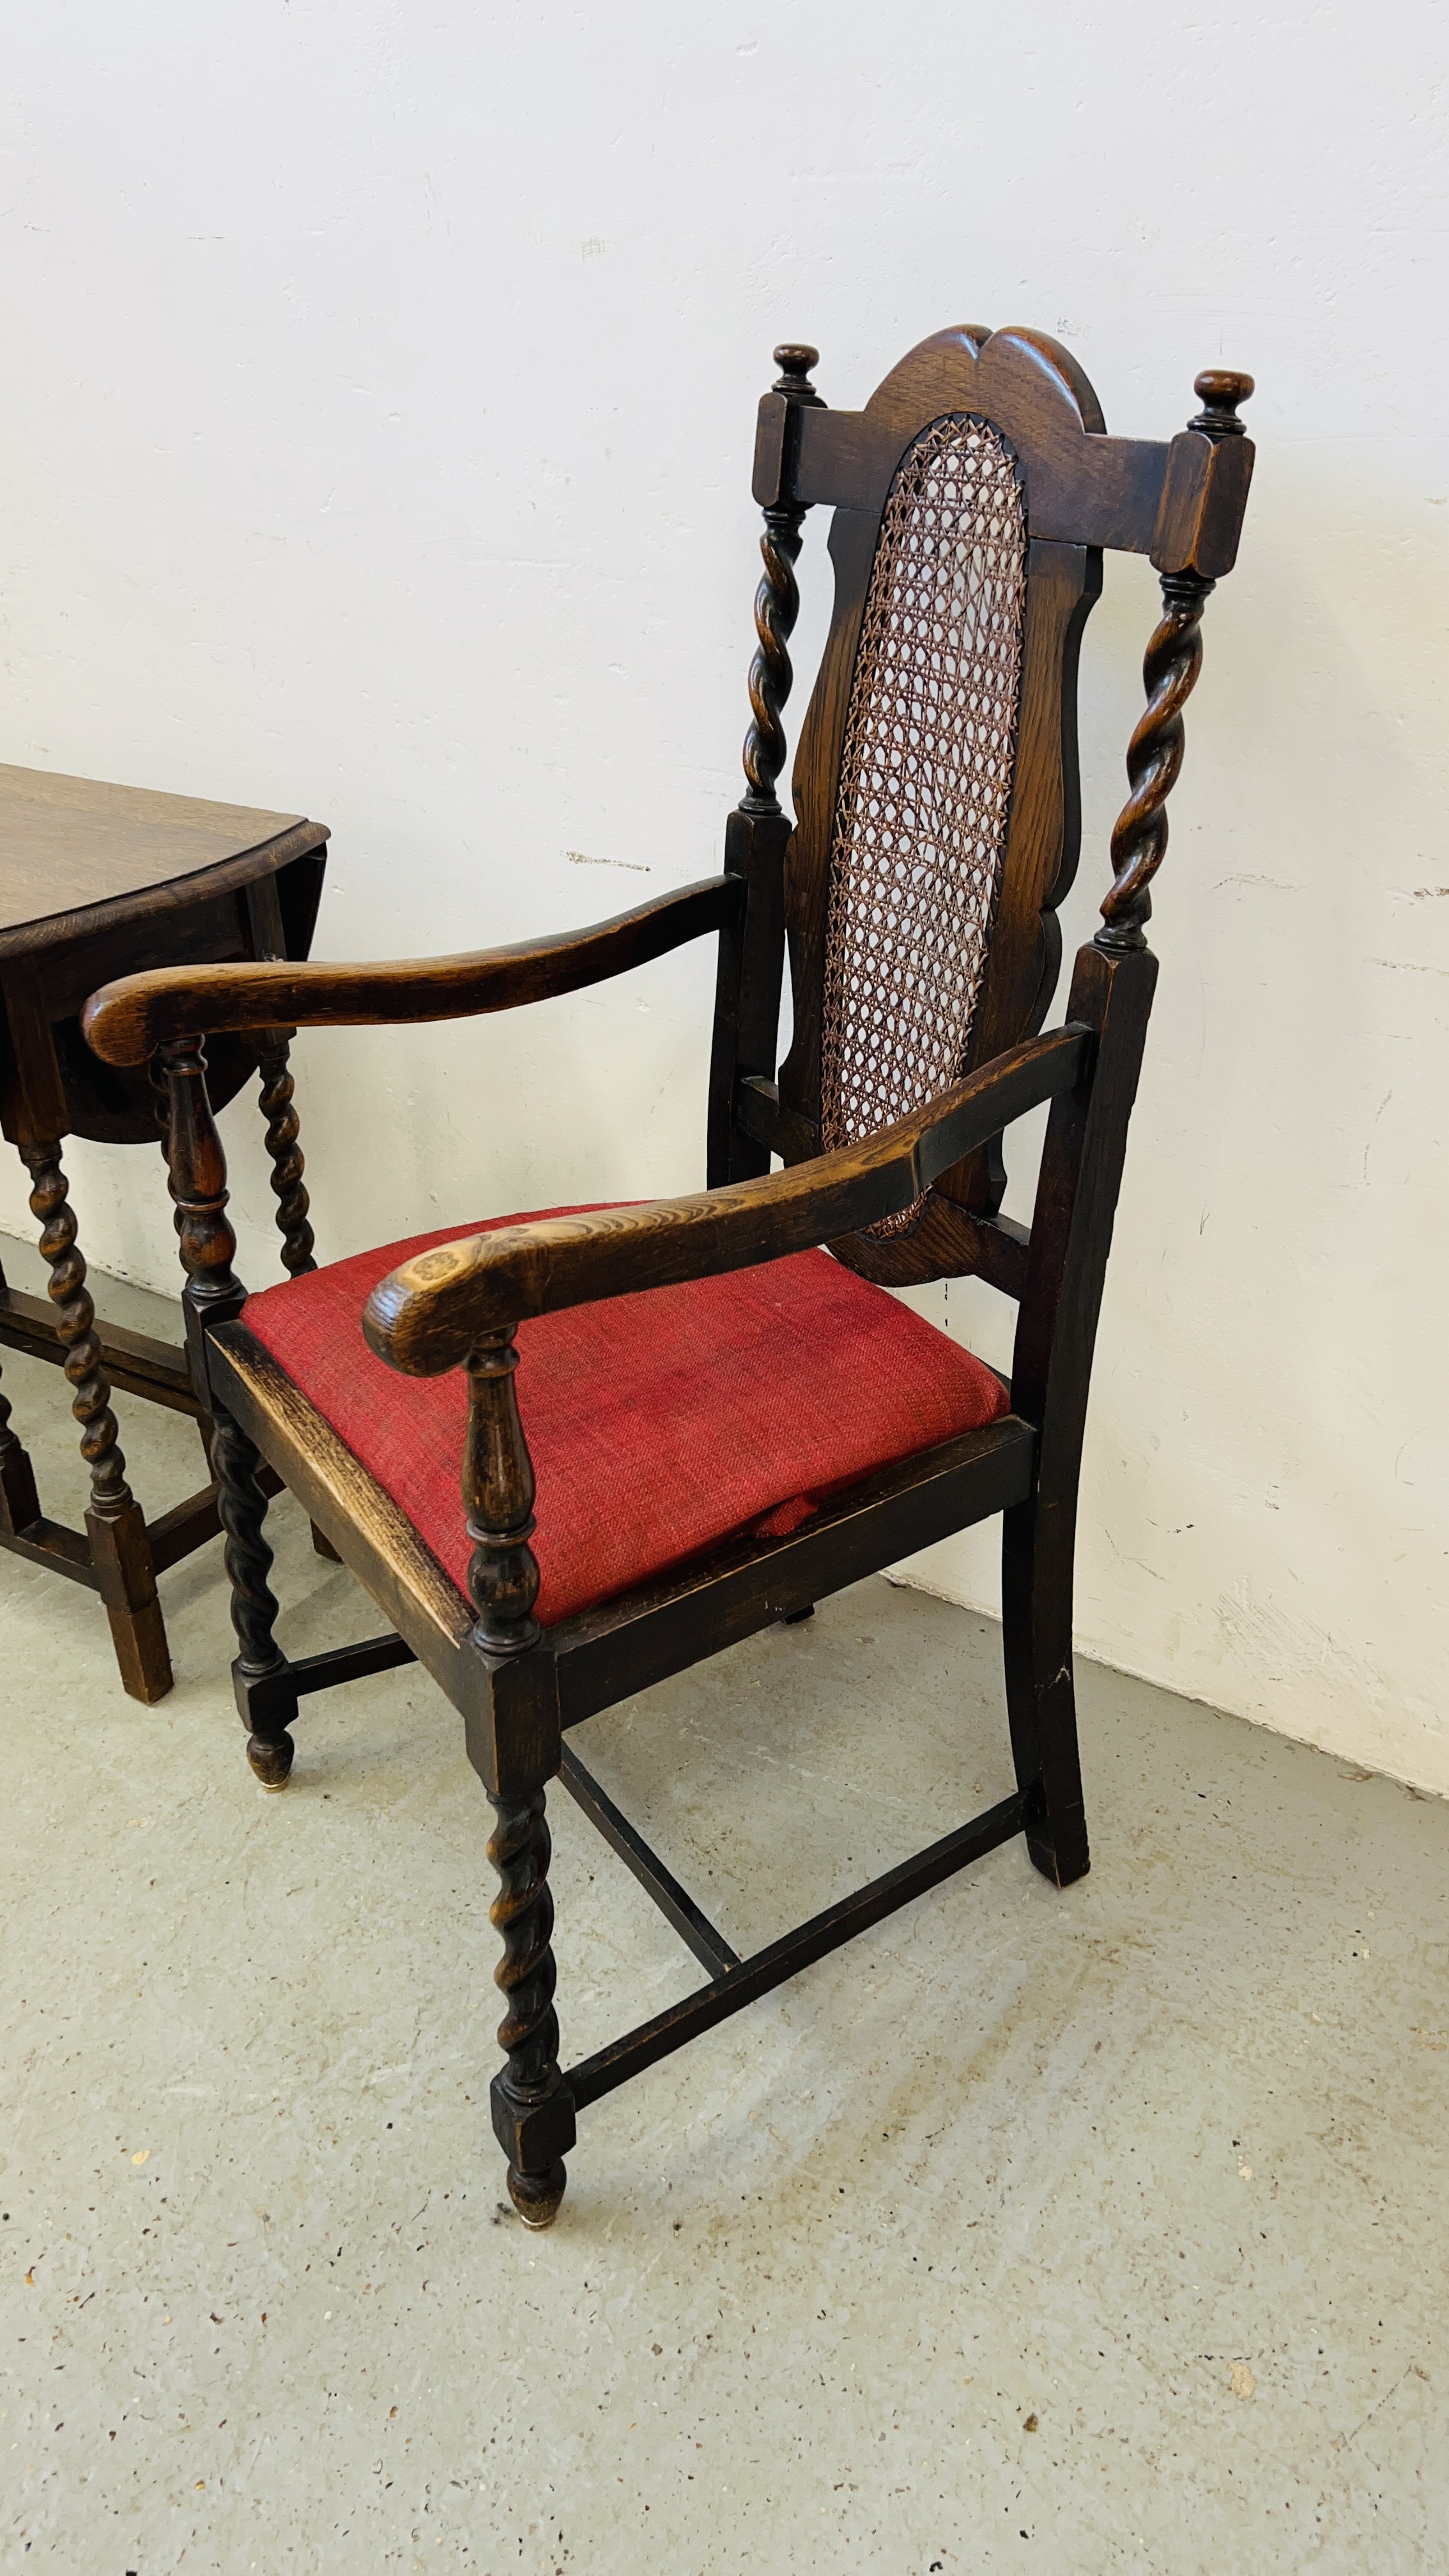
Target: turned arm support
428,1315
127,1021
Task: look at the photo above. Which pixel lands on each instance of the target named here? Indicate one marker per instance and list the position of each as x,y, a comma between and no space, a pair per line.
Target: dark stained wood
285,1154
624,1646
1084,491
1170,674
757,835
674,1902
533,2112
197,1169
498,1500
705,2010
188,1526
424,1316
265,1693
50,1544
19,1501
1169,500
185,1527
278,1093
34,1106
1071,1236
367,1530
777,601
1034,393
606,1654
79,846
517,1687
762,1115
777,437
95,879
128,1020
1154,757
1044,833
309,1673
815,786
1039,865
126,1581
996,1247
265,1697
50,1081
138,1363
115,1523
1088,489
1210,466
747,996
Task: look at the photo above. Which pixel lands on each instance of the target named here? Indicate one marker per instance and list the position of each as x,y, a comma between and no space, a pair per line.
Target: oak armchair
725,1421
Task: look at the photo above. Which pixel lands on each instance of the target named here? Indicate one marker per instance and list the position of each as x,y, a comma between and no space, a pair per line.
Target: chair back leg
1036,1618
1071,1235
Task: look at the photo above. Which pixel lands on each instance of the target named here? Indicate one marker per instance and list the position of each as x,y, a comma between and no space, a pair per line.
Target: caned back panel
935,788
924,791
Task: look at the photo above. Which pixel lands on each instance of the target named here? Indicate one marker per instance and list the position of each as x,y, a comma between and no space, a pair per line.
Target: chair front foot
271,1759
1066,1859
537,2197
534,2137
267,1706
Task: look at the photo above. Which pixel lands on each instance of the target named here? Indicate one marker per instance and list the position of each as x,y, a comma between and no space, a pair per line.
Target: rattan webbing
925,780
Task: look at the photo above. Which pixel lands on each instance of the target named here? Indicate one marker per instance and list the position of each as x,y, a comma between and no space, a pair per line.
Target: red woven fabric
658,1424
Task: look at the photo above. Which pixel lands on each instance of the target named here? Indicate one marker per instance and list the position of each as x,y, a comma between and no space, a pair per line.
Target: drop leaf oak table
97,881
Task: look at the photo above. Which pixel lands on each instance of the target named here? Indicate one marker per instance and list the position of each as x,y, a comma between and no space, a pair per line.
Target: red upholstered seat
658,1424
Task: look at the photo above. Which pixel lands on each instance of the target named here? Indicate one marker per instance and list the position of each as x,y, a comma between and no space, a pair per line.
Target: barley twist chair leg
533,2114
266,1695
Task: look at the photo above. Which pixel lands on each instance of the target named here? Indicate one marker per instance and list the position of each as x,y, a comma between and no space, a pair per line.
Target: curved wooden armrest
425,1317
127,1021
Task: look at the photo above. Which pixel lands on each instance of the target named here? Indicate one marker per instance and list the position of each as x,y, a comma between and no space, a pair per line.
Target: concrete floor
1107,2227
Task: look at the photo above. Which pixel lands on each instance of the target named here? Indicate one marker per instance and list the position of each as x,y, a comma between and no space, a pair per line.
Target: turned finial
1220,390
795,358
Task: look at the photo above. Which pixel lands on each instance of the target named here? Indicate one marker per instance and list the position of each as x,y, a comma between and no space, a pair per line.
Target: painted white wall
379,390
